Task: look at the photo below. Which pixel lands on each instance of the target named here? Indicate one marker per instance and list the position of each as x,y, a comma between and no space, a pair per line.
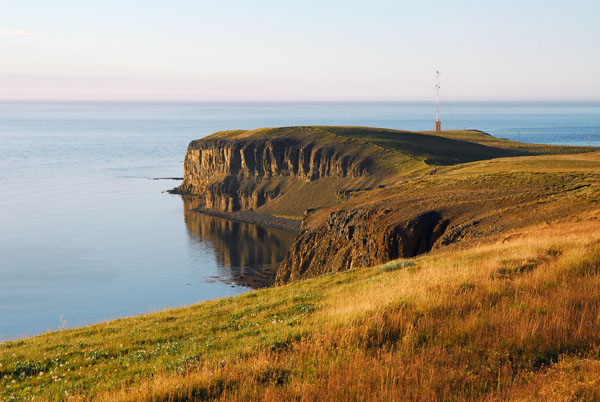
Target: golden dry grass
513,319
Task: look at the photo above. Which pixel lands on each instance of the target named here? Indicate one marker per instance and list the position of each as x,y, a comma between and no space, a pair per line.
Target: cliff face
273,157
361,237
245,174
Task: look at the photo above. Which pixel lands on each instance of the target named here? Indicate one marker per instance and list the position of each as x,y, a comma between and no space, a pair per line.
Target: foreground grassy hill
517,319
510,310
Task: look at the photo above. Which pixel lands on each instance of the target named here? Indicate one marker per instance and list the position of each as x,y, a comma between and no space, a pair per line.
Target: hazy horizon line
300,100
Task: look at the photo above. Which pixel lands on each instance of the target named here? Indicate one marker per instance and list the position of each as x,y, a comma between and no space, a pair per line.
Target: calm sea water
86,235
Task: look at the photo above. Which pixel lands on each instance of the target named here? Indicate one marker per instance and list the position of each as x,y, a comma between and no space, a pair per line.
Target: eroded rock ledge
243,174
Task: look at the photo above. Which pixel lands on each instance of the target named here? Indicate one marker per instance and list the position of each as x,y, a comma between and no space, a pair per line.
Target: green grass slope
435,148
449,147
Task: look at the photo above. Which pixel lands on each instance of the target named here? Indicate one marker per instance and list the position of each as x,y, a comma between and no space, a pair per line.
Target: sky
299,50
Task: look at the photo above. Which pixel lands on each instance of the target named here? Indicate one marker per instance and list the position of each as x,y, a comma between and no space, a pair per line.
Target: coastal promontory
366,196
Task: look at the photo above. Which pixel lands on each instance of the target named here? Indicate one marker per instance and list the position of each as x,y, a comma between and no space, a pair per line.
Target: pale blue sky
300,50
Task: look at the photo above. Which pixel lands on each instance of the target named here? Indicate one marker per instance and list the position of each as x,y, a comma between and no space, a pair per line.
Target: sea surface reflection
247,253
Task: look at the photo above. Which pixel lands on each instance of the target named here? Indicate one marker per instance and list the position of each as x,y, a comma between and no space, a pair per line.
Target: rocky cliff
240,172
361,237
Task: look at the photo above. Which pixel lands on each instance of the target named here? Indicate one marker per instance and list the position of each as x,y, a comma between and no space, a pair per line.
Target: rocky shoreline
255,218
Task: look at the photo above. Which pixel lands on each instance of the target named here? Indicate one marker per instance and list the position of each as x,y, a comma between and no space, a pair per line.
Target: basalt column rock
359,238
243,174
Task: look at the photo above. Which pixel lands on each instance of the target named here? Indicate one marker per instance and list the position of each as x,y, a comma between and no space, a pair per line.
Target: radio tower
438,123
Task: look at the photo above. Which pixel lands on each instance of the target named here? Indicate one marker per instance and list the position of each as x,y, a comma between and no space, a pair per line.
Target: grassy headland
512,314
291,169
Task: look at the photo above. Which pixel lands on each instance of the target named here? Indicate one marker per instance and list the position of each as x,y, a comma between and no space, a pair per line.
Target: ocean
88,233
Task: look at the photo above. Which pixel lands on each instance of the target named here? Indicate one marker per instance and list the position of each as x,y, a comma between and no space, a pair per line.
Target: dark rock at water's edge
255,218
177,190
167,178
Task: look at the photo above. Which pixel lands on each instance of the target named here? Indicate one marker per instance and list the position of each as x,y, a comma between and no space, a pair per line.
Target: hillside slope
513,319
451,206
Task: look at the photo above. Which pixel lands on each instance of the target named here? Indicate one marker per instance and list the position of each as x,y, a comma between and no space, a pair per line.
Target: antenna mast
438,123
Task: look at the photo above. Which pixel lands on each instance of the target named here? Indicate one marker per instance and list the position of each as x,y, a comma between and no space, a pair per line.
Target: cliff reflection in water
248,254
